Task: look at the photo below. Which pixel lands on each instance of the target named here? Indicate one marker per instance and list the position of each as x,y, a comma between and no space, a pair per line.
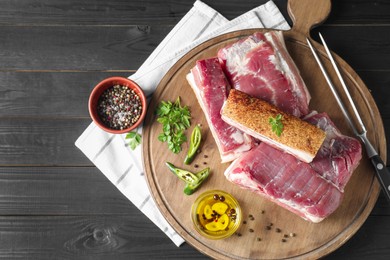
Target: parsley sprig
134,139
276,124
175,120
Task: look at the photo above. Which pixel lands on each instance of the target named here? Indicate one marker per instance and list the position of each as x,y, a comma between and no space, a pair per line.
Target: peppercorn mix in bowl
117,105
216,214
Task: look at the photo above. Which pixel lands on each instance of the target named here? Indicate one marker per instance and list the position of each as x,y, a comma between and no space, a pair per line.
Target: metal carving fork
382,172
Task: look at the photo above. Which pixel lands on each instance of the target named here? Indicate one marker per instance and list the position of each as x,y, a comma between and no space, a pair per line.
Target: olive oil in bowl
216,214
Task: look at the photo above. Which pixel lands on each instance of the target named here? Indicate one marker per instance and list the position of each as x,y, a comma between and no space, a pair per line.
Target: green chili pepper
192,187
196,137
193,181
182,174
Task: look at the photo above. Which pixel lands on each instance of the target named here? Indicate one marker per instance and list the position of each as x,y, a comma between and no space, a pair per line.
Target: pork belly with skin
211,89
251,115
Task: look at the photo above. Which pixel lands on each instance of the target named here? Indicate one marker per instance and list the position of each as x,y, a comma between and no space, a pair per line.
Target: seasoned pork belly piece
285,180
338,156
260,66
211,89
251,115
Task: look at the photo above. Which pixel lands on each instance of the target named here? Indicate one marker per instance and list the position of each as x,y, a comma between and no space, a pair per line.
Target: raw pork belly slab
312,191
338,156
260,66
285,180
211,89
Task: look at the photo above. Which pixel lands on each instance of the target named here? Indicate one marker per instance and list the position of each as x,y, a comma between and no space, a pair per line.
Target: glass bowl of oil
216,214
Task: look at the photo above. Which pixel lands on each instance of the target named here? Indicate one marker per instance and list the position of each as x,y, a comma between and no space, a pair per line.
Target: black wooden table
54,204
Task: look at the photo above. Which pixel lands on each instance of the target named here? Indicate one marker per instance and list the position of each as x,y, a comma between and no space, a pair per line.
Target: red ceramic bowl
98,91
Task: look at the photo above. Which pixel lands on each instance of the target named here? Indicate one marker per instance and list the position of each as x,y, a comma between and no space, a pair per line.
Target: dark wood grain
358,12
23,191
54,204
49,93
123,12
87,237
80,48
41,141
362,51
113,12
91,48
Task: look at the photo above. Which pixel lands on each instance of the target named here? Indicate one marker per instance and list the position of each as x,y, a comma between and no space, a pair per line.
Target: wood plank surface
73,191
81,48
60,48
41,141
54,94
123,12
53,201
86,237
114,12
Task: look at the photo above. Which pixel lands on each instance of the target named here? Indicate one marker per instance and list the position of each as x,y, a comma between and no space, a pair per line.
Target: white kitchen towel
111,153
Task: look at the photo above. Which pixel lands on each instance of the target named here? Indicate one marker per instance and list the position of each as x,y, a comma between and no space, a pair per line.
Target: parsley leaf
276,124
134,139
175,119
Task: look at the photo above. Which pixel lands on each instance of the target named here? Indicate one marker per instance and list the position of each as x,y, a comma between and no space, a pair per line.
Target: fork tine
333,88
336,68
381,170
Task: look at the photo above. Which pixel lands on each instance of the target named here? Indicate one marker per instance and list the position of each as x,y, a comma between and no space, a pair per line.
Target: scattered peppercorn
205,156
251,217
216,196
221,198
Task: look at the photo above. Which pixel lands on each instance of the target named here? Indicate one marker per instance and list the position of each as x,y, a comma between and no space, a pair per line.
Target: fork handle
383,175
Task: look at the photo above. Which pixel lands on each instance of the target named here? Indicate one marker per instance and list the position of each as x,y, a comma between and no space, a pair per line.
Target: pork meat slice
285,180
211,88
338,156
261,66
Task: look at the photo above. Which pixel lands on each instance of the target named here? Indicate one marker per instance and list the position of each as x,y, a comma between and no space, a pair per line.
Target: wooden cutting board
311,240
